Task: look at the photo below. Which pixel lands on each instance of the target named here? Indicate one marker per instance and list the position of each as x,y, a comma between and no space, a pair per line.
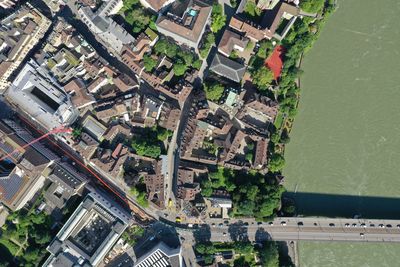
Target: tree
269,255
214,91
138,18
128,4
276,163
249,157
217,18
285,139
197,64
262,78
205,248
251,10
149,63
179,68
76,132
312,6
245,248
210,40
146,148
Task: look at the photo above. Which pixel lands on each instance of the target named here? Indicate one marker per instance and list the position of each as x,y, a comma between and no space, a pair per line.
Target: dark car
300,223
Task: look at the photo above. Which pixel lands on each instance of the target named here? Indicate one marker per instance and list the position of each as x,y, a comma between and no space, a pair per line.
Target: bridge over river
297,228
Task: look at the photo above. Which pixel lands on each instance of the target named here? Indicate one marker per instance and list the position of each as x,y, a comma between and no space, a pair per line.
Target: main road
297,228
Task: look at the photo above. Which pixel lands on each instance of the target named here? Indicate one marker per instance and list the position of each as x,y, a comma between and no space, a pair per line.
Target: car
221,224
213,224
224,234
371,225
283,223
354,225
381,226
331,224
271,223
259,223
363,225
246,224
346,225
362,234
388,225
315,224
178,219
300,223
226,222
398,226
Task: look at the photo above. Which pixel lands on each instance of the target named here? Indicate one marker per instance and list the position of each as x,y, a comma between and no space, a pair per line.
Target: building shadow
202,234
238,232
345,206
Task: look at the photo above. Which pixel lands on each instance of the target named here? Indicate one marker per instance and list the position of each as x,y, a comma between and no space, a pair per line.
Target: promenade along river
346,137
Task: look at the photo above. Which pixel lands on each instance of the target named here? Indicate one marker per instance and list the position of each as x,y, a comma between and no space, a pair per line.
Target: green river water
345,144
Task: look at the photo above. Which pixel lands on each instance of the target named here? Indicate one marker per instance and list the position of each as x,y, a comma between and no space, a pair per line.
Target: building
156,5
21,173
88,235
39,95
94,128
19,33
161,255
80,97
231,41
6,4
104,27
227,68
185,21
260,158
276,22
65,183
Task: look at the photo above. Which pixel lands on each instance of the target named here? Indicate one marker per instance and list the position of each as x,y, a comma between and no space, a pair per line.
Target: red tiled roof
275,62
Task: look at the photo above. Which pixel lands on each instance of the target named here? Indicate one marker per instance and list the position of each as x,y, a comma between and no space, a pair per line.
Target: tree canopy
253,194
149,63
313,6
269,255
136,16
276,163
218,18
262,78
214,91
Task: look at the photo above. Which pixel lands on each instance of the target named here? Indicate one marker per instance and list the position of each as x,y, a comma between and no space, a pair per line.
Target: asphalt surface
294,228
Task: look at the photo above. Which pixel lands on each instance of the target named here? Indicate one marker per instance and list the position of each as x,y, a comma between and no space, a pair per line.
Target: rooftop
228,68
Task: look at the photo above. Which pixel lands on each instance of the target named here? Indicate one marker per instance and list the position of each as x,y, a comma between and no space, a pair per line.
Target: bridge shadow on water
347,206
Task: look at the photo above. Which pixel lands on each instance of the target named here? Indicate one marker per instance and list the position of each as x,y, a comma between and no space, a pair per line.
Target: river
345,145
